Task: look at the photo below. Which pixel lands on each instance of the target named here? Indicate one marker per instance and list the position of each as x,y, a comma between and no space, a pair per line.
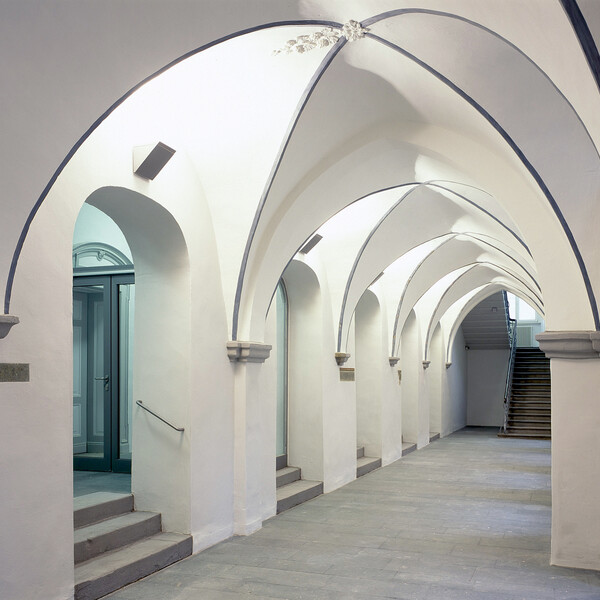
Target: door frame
110,280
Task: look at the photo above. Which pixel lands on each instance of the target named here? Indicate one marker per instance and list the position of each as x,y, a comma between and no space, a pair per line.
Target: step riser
91,590
299,498
287,478
100,512
368,467
360,452
90,548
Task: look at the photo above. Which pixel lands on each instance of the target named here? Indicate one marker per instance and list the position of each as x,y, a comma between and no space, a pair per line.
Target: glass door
102,372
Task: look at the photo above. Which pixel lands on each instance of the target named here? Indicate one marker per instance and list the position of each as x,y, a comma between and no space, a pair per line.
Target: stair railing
512,332
139,403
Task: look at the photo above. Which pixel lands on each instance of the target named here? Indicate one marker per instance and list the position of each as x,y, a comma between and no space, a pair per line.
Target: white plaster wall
370,357
410,365
268,412
575,464
486,383
455,385
36,460
434,375
305,379
93,225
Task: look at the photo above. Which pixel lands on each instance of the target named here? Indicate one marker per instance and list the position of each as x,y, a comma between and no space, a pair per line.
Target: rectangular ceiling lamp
148,161
314,240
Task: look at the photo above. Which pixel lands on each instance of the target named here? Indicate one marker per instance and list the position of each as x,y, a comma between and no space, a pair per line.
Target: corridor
467,517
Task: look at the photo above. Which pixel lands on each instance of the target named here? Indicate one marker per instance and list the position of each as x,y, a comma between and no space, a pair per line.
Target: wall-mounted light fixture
148,161
314,240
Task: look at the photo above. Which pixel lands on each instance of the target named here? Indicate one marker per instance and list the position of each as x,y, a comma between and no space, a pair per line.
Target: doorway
103,317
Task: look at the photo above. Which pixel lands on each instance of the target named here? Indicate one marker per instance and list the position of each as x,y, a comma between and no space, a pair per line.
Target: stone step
360,452
113,570
99,506
296,493
366,464
528,427
433,435
93,540
527,416
536,436
408,447
287,475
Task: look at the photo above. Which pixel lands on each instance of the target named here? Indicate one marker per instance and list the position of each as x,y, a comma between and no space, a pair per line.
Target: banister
139,403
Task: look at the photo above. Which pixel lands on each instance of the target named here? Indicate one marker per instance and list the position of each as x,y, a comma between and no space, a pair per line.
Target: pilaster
246,359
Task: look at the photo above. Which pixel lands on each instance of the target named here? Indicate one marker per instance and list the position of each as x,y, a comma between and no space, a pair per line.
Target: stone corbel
569,344
426,364
253,352
595,337
394,360
341,358
6,323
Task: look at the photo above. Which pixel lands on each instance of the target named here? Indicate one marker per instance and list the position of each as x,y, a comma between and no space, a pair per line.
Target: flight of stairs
365,464
292,490
529,409
115,545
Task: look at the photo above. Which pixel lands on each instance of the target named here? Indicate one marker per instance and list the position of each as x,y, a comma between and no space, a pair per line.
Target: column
575,372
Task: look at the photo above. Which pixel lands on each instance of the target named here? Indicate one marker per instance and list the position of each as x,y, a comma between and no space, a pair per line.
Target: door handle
105,379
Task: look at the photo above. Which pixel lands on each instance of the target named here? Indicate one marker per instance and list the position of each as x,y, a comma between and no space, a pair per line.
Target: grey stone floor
88,482
466,517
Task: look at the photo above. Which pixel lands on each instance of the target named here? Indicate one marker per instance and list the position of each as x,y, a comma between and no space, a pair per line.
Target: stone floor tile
465,518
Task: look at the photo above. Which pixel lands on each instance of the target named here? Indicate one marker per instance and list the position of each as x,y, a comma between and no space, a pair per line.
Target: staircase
529,408
365,464
115,545
485,327
293,490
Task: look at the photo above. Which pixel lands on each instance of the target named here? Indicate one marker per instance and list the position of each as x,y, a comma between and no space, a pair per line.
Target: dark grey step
296,493
366,464
433,435
536,436
529,416
528,428
408,447
287,475
93,540
360,452
98,506
113,570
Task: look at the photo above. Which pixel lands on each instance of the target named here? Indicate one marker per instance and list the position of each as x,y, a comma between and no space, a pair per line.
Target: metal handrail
139,403
509,373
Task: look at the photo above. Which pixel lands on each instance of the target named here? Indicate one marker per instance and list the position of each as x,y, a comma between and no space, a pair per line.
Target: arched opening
434,376
281,349
415,409
369,377
103,321
305,425
159,368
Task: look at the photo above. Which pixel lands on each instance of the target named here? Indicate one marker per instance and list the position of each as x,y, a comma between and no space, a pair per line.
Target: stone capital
6,323
394,360
341,358
254,352
569,344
